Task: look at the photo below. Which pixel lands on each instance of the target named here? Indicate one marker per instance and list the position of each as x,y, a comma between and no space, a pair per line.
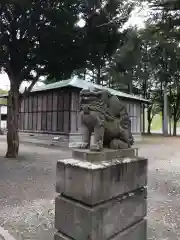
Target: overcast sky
138,17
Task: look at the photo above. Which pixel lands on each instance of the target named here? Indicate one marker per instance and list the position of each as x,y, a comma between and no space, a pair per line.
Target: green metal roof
78,83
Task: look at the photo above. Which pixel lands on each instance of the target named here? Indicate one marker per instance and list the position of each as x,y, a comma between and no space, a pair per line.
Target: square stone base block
95,182
99,222
136,232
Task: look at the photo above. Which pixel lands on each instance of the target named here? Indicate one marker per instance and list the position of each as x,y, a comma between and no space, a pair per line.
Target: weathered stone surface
135,232
104,155
104,115
100,222
94,182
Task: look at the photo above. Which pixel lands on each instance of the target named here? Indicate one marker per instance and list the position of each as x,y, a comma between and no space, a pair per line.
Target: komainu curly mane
103,114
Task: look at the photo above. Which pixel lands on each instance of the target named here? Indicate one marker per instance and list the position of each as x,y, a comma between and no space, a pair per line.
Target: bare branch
29,89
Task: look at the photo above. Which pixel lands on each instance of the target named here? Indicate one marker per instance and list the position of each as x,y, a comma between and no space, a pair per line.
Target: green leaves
39,35
102,35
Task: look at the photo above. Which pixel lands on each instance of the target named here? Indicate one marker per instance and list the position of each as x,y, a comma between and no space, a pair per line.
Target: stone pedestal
102,196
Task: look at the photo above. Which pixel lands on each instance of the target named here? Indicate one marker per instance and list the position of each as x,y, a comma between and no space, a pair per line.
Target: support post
165,118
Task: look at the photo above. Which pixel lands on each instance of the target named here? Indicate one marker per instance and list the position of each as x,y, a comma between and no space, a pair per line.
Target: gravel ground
163,187
27,190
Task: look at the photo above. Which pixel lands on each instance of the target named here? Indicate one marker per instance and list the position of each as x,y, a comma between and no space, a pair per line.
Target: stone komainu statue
104,115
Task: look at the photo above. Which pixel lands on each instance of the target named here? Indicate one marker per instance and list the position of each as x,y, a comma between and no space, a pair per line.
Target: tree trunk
143,119
149,128
130,88
149,120
1,132
170,126
162,107
175,128
84,77
12,123
98,80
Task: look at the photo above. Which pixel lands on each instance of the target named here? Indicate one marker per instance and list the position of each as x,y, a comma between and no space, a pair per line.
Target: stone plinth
105,155
101,200
136,232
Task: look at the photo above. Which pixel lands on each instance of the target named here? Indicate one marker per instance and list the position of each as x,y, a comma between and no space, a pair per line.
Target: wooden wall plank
74,122
75,100
74,118
30,125
54,121
34,117
49,101
26,121
49,121
44,103
40,98
60,100
60,122
44,125
66,125
30,103
55,101
26,109
22,106
39,119
66,96
35,104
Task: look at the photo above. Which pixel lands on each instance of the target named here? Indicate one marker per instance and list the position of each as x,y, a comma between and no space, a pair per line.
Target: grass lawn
156,123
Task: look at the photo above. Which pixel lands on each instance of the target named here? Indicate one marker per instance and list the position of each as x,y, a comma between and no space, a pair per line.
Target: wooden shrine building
54,109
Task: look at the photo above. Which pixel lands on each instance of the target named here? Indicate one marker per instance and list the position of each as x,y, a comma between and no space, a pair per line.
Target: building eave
80,84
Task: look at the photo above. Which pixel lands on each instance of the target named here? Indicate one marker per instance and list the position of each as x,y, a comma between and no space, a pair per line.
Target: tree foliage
104,35
124,62
149,60
159,63
39,38
43,38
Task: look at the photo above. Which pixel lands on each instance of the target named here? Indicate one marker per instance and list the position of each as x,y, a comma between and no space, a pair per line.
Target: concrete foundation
101,200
